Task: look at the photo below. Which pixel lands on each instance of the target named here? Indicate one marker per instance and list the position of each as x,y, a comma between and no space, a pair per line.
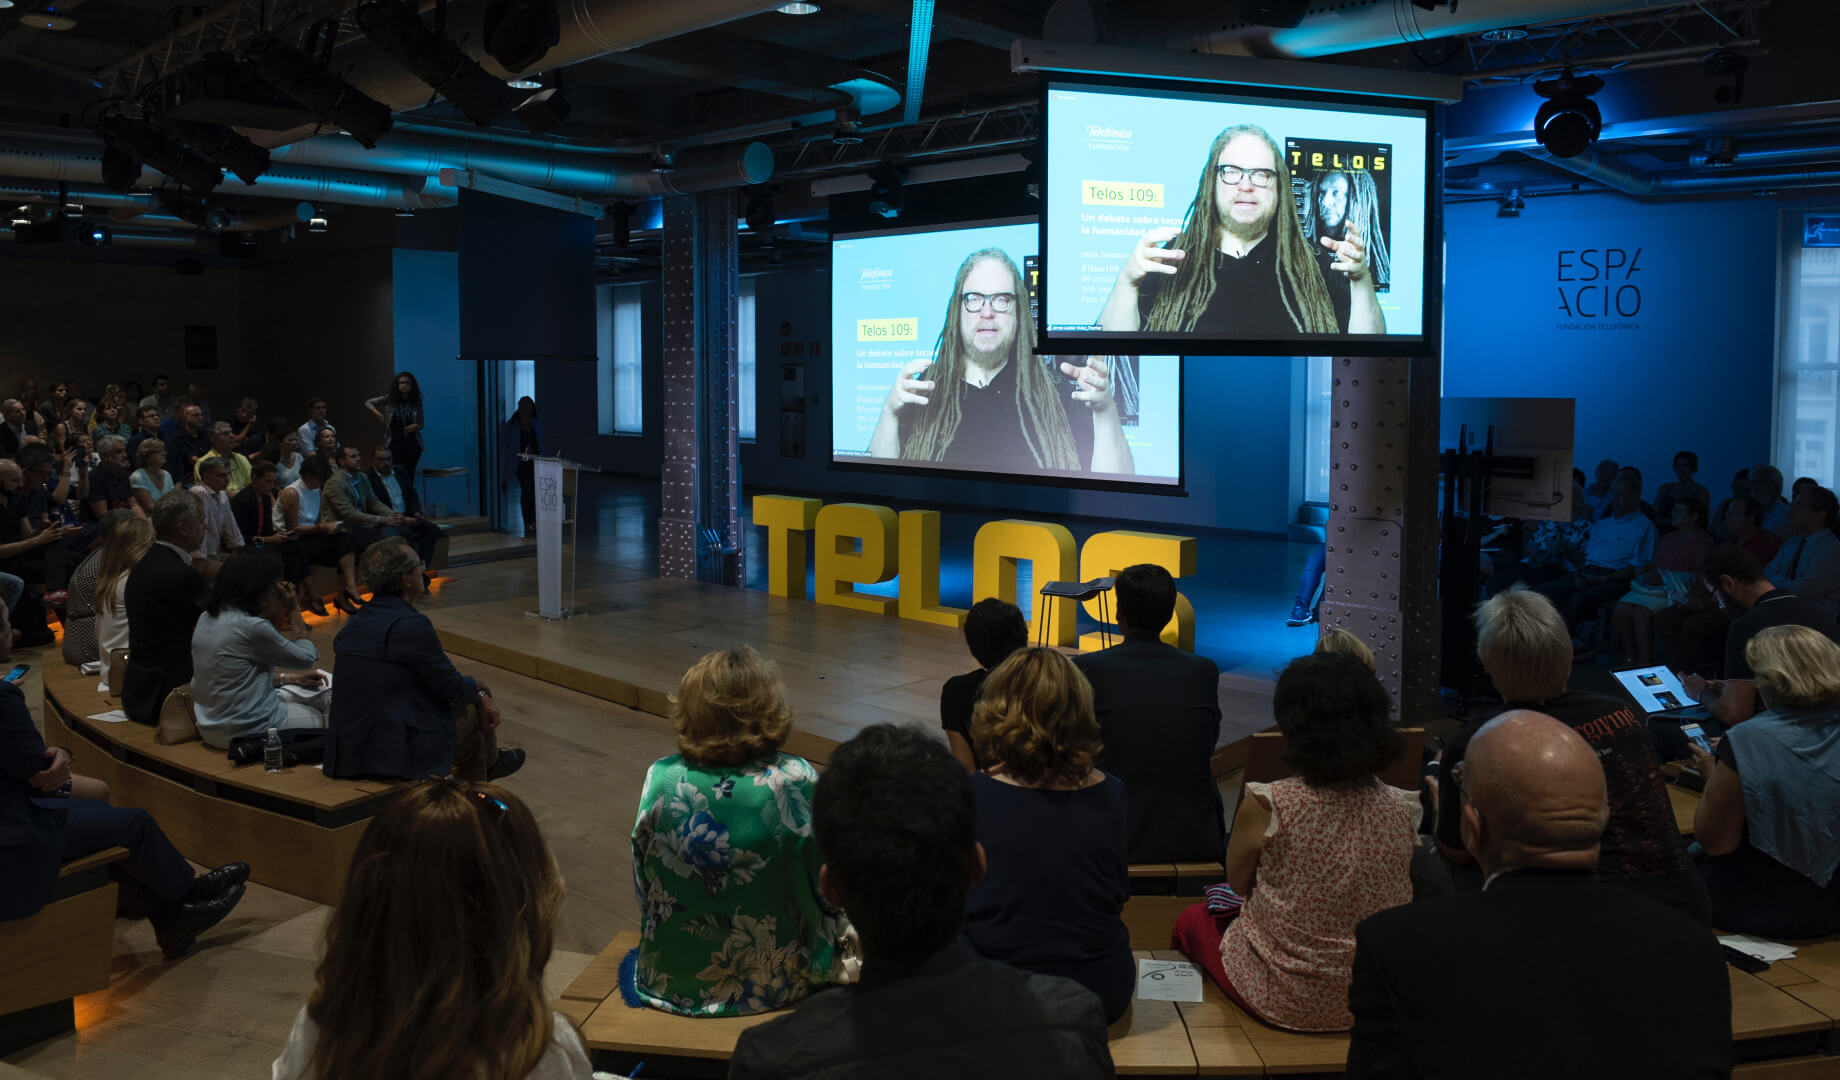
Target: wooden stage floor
635,635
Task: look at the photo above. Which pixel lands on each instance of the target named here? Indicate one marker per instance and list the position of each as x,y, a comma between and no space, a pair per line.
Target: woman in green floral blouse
724,862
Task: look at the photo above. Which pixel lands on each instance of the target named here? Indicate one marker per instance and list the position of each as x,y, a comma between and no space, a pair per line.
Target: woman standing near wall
401,413
523,435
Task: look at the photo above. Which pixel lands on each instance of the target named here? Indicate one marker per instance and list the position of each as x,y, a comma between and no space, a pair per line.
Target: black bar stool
1098,588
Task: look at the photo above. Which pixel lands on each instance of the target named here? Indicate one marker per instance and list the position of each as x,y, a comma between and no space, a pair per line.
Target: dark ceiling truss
225,28
984,130
1682,33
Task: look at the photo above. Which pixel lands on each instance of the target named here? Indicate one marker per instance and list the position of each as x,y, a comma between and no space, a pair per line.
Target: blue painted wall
1692,369
426,301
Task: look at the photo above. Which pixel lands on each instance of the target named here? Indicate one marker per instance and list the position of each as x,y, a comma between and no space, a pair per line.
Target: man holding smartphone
27,532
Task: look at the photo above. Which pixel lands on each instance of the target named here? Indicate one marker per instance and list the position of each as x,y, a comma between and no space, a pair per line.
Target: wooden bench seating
1783,1024
296,829
64,950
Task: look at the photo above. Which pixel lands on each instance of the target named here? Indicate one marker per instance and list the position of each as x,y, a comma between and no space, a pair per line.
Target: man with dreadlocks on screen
985,399
1240,265
1339,198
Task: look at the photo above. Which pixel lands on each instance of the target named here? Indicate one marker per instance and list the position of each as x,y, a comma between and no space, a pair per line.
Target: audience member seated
433,960
1597,493
1159,718
22,427
316,419
260,520
386,486
1635,474
221,535
223,448
349,499
110,487
284,451
1767,816
162,397
123,547
1312,854
895,819
1054,829
1546,972
1621,545
1692,634
111,418
993,629
80,644
399,709
72,424
1341,642
326,445
722,854
150,481
1678,552
186,443
1767,489
147,426
25,539
1755,604
1740,489
1801,483
46,822
251,438
251,627
164,597
324,541
49,487
1809,562
1524,648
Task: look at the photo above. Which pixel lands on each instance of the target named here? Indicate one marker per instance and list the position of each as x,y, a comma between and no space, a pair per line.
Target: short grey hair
109,442
385,563
211,465
223,426
1524,645
174,509
12,401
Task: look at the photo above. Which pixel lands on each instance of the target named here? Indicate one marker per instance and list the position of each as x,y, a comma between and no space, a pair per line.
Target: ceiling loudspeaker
518,33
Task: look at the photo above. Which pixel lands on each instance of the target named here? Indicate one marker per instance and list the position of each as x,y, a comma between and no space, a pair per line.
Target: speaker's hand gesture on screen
908,390
1151,257
1095,379
1350,253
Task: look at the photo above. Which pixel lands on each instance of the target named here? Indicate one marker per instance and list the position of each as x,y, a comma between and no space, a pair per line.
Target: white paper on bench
1767,951
113,716
310,693
1168,980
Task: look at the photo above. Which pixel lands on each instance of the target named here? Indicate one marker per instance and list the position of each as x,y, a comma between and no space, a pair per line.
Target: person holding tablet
1240,266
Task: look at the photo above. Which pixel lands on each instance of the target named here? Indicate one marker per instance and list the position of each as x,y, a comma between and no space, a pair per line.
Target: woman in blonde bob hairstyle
724,864
1034,721
1795,667
433,960
730,709
1053,828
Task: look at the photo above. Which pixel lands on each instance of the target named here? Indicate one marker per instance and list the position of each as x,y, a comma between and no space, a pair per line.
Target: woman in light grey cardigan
237,645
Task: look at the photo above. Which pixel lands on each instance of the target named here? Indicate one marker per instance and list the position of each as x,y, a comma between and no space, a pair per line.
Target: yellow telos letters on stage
909,543
1000,545
841,566
1107,553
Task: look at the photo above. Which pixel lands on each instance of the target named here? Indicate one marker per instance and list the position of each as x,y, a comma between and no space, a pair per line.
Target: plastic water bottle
271,751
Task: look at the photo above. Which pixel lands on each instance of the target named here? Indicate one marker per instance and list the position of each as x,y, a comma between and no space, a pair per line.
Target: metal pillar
699,524
1381,570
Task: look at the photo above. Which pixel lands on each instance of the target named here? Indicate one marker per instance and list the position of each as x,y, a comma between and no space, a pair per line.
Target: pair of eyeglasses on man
998,302
1231,175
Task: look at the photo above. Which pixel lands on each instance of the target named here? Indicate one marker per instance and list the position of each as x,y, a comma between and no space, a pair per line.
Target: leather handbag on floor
299,746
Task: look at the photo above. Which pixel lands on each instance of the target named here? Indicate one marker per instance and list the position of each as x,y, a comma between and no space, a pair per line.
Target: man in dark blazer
17,424
164,597
1159,717
42,827
386,483
1545,972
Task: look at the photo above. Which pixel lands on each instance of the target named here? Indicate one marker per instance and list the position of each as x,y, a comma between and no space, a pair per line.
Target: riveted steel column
701,471
1381,569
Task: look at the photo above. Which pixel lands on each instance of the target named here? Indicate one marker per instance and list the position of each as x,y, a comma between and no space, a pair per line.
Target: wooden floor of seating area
634,636
1783,1024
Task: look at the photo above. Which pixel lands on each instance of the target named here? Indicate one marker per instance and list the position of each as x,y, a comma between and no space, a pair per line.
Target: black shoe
344,603
313,604
509,761
177,936
215,883
1300,616
36,639
427,579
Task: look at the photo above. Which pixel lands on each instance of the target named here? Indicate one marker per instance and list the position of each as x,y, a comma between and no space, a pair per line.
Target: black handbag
299,746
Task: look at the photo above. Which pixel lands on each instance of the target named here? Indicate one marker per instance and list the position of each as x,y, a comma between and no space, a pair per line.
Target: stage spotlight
544,111
144,143
885,192
518,33
1723,62
316,223
526,82
339,103
224,145
398,30
760,215
1511,204
1721,153
1569,122
848,128
120,172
